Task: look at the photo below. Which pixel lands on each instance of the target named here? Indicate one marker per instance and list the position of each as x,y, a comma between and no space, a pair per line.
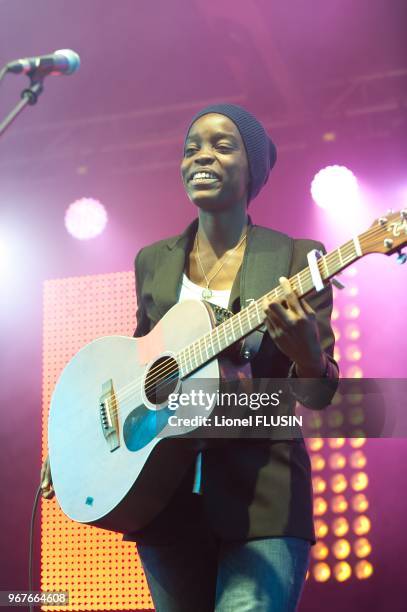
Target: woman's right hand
47,490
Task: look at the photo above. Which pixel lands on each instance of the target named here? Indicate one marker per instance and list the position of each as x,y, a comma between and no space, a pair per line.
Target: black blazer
251,488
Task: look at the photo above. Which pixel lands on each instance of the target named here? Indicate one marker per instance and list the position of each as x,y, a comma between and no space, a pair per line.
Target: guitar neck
252,317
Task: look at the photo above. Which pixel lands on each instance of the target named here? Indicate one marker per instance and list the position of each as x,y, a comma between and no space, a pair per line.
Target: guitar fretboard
252,317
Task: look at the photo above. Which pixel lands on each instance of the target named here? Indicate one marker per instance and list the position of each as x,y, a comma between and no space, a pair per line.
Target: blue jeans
207,575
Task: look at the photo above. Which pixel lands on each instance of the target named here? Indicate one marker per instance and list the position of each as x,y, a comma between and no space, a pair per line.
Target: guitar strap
245,349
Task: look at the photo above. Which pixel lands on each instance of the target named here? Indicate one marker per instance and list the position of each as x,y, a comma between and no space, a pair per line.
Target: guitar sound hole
161,380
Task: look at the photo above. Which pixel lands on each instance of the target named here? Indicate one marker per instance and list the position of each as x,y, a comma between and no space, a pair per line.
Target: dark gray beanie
260,149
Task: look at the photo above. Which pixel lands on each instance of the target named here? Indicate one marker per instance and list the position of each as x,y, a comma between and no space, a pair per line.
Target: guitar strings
167,368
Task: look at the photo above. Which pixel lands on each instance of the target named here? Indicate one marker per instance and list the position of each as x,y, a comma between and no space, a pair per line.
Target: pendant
206,293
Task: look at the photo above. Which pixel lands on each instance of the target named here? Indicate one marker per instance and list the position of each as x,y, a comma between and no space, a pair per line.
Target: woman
237,533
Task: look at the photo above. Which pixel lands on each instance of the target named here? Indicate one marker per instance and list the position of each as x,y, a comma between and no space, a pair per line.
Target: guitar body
121,480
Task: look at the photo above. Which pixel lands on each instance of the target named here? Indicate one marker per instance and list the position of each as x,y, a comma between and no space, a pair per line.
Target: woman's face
215,148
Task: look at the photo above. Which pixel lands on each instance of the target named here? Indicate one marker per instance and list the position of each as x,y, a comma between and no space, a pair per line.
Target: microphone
63,61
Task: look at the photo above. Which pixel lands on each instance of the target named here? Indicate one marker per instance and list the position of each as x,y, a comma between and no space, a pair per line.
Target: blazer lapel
170,264
267,257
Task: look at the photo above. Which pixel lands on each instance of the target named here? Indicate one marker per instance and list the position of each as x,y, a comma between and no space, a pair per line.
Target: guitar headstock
387,234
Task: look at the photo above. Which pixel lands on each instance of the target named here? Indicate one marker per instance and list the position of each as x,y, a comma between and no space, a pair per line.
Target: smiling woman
222,543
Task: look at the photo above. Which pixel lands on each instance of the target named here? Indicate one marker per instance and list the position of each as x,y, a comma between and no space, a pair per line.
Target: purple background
114,131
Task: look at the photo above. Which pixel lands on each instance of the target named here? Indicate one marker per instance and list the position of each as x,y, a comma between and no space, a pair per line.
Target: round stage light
341,549
362,547
321,528
318,484
338,483
357,415
353,353
358,460
351,311
336,442
317,462
320,506
85,218
363,569
360,503
359,481
352,331
352,291
354,372
339,504
335,188
340,526
335,313
321,572
337,461
342,571
320,551
315,444
361,525
357,442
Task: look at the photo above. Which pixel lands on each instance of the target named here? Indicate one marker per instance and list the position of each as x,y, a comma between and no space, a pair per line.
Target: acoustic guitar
110,444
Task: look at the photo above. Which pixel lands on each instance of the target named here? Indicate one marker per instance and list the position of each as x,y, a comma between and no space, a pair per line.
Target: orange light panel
99,570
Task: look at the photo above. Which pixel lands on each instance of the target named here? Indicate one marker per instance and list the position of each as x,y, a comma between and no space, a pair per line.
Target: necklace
207,293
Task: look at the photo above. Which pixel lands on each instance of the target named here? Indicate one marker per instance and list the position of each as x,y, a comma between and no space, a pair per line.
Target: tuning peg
401,258
403,213
382,221
390,211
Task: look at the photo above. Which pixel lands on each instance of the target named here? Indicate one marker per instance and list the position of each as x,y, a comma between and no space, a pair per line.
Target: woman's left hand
293,326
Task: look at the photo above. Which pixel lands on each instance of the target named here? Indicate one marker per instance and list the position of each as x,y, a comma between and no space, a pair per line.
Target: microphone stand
29,95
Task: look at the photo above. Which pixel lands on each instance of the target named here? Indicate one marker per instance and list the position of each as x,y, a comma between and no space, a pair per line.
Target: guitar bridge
109,418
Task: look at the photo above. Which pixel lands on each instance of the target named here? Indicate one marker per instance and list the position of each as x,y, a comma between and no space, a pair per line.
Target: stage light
335,188
357,442
320,551
315,444
321,528
321,571
342,571
320,506
357,416
359,481
337,354
336,332
341,549
85,218
361,525
339,504
335,313
358,460
338,483
317,462
336,442
362,547
335,418
354,372
360,503
353,353
352,331
351,311
352,291
318,484
337,461
340,526
363,569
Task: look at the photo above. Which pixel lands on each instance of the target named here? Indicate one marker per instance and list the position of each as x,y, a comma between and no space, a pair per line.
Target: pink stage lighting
85,218
335,187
